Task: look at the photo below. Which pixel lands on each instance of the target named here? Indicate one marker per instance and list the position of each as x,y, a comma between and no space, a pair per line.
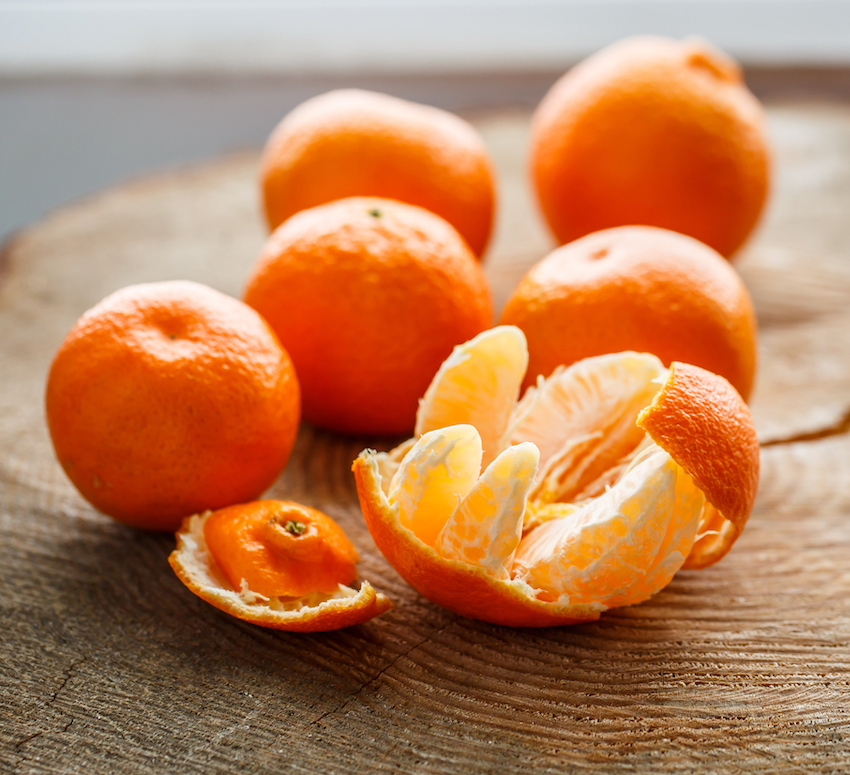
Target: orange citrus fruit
359,143
637,288
368,296
277,564
171,398
609,477
656,132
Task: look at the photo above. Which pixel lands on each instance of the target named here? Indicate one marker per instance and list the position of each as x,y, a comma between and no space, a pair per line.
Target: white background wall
61,138
327,36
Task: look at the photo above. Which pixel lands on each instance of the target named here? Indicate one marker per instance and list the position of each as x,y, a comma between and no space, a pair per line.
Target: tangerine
657,132
368,296
613,474
637,288
359,143
170,398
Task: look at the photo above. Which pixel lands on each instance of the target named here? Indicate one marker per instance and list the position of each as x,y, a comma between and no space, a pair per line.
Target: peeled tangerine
589,493
277,564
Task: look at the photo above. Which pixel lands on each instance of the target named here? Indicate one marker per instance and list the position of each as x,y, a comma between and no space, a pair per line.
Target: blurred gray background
94,93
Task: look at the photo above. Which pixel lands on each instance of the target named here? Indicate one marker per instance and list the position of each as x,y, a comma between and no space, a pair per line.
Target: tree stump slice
109,665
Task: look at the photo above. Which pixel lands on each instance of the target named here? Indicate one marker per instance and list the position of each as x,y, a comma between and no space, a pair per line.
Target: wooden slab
107,664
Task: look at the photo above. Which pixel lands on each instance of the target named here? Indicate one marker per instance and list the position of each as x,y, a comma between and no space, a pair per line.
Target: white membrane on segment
486,527
435,475
583,419
621,547
478,384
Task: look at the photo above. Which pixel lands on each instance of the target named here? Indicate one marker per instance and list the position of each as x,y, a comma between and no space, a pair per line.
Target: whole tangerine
657,132
359,143
166,399
368,296
637,288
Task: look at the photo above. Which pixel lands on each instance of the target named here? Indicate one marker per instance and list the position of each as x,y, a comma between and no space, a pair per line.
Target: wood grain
107,664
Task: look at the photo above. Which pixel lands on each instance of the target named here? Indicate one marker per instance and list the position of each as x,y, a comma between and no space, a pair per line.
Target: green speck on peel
294,527
375,212
96,482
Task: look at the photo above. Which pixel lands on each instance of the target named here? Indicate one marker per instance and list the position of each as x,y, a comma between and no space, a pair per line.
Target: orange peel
609,477
246,543
703,422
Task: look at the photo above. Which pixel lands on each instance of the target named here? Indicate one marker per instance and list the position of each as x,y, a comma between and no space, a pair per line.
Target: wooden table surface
109,665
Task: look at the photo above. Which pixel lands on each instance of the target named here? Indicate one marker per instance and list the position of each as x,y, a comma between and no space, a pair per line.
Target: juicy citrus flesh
621,547
486,527
477,384
357,143
436,474
580,511
368,296
583,420
233,560
167,399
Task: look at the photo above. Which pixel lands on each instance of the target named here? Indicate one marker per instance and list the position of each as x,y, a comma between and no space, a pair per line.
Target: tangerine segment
622,547
583,419
280,549
702,421
478,384
195,566
486,526
468,590
434,476
715,537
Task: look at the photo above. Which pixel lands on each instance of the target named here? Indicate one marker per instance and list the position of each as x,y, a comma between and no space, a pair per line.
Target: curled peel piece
274,563
702,421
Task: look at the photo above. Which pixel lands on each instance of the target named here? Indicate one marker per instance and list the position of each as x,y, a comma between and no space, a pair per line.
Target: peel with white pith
613,512
195,566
